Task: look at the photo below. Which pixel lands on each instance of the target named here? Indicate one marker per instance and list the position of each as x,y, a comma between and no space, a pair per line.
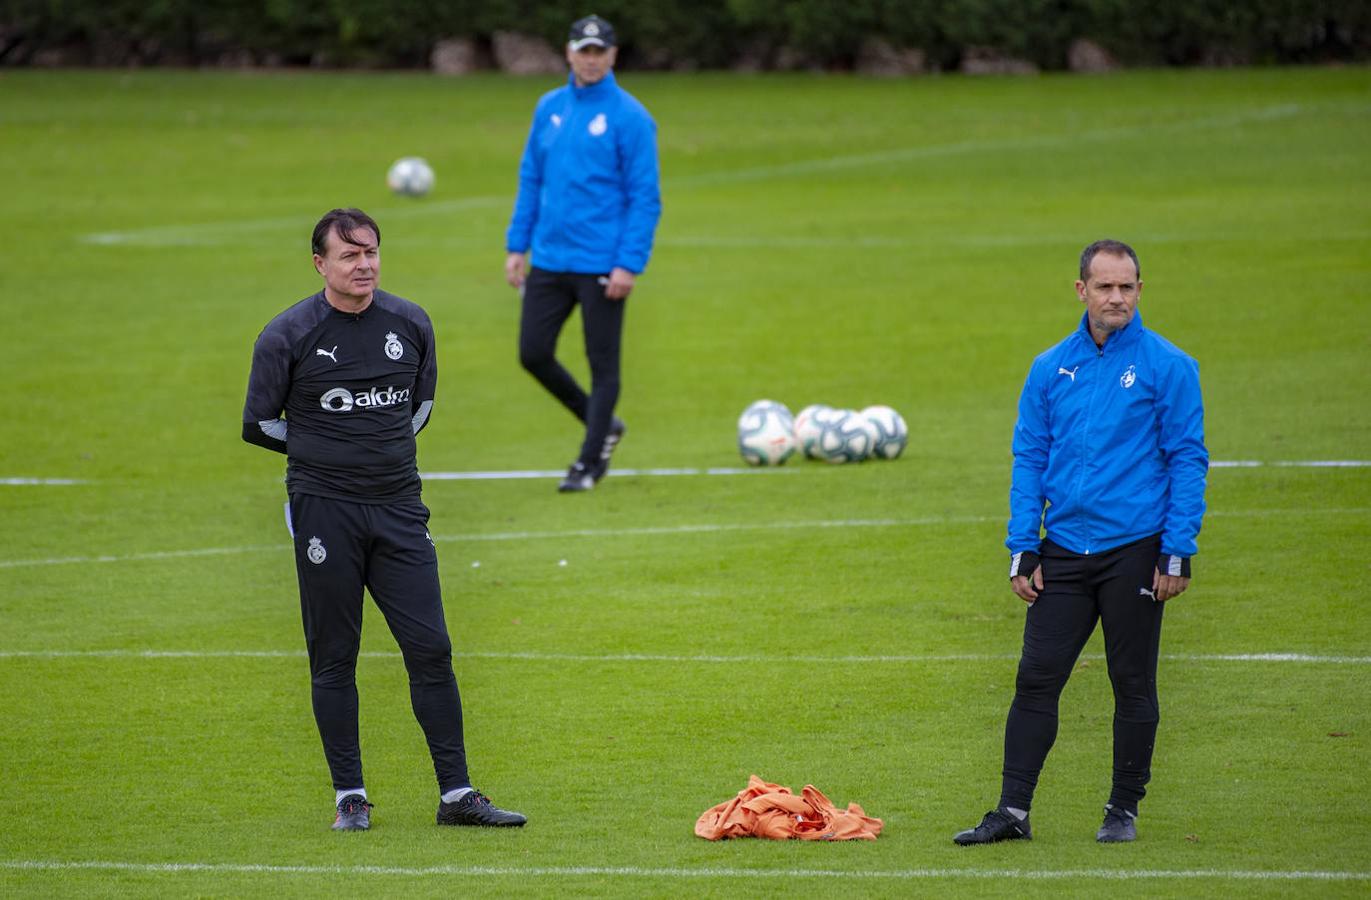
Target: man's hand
620,283
514,270
1028,588
1164,587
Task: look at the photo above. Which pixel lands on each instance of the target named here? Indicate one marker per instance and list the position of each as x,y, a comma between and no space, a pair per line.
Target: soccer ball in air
410,176
844,436
891,432
808,424
766,433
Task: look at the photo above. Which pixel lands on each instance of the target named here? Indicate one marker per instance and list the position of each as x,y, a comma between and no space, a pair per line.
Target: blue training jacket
588,198
1111,440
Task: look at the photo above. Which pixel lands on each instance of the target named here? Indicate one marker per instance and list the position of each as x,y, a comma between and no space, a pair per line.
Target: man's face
350,269
1110,294
590,63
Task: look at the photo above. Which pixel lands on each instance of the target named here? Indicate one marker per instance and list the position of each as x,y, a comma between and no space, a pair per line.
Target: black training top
355,389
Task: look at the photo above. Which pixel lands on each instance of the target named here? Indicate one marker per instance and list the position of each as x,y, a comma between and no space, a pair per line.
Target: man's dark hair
347,222
1113,248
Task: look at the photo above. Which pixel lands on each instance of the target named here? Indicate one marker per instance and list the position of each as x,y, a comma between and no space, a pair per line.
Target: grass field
825,239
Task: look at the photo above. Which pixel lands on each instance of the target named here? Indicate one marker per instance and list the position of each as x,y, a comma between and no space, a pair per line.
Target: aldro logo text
343,400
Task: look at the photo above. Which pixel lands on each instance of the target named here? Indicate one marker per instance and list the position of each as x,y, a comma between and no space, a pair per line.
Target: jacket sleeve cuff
1170,564
1023,563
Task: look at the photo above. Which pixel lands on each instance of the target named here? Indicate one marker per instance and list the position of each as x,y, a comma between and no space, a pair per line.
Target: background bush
682,33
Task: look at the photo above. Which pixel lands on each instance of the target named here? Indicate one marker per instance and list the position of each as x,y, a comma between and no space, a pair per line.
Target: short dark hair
347,222
1113,248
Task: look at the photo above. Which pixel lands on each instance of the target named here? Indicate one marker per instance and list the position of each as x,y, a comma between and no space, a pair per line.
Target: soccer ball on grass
808,425
844,436
410,176
766,433
891,432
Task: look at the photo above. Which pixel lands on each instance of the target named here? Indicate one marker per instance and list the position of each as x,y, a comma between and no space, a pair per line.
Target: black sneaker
354,814
1119,826
475,808
617,428
578,478
998,825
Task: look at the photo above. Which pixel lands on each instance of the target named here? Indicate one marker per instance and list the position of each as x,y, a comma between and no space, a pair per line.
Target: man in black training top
353,370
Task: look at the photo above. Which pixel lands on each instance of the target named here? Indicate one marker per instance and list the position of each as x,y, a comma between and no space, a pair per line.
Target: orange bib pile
767,810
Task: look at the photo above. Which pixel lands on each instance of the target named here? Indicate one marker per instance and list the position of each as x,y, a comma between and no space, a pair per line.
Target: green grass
825,240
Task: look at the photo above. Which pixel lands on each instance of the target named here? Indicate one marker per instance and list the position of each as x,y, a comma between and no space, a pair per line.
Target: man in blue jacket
587,208
1109,459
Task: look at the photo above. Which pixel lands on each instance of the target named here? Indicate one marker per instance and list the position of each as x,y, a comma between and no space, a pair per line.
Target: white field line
515,536
1290,463
1008,875
210,233
707,659
517,474
960,148
657,472
138,557
41,481
924,242
648,531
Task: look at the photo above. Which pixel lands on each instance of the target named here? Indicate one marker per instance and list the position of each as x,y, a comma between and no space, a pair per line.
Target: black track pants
549,298
1114,588
340,548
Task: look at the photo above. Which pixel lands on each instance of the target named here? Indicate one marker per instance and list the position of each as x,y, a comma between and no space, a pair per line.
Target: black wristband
1169,564
1023,563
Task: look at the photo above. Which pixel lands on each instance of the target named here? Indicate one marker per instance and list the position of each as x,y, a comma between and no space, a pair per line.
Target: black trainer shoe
998,825
475,808
354,814
578,478
617,428
1119,826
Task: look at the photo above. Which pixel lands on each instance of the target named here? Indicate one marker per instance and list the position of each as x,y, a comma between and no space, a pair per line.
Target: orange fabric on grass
769,810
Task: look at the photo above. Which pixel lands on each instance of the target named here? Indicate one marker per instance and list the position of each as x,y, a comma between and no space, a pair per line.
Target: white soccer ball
766,433
892,435
807,428
844,436
410,176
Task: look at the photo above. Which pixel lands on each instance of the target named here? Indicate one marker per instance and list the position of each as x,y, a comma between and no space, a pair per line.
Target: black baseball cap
592,31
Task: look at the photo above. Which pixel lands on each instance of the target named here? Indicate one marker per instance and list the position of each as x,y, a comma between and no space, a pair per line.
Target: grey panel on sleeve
421,417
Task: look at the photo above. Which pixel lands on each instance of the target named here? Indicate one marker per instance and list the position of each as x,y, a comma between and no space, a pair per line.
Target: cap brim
588,42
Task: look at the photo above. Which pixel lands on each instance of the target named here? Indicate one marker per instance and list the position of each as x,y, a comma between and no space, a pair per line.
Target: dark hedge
683,33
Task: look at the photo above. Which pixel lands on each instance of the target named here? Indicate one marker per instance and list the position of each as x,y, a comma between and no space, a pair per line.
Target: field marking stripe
646,531
214,232
537,656
518,536
139,557
838,162
667,471
516,474
1290,463
211,233
681,872
41,481
670,471
977,241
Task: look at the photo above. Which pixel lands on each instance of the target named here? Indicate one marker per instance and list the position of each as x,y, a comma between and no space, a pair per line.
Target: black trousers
1113,588
549,298
340,548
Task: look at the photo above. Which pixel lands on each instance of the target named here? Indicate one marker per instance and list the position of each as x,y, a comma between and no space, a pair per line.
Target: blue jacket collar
601,88
1124,336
